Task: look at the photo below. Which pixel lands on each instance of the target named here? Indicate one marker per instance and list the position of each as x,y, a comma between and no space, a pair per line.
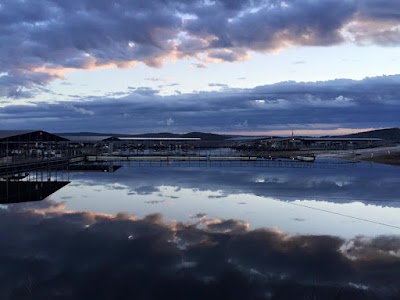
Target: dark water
190,232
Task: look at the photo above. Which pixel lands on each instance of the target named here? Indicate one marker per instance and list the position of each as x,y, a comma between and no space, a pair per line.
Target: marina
38,163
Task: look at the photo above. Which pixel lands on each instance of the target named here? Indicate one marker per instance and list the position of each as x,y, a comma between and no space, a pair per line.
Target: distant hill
155,135
390,134
202,135
86,134
206,136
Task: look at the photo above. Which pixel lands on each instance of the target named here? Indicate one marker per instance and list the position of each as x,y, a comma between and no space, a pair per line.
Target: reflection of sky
48,251
363,199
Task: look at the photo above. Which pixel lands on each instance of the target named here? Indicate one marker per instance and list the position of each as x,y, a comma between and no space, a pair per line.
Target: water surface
181,231
359,199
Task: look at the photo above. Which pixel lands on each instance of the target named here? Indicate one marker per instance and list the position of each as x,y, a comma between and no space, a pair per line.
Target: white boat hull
305,158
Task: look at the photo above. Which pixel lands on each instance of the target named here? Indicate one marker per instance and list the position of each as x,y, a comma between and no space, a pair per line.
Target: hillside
206,136
202,135
85,134
390,134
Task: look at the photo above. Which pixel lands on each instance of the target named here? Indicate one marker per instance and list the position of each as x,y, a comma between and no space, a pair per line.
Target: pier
213,161
24,166
33,180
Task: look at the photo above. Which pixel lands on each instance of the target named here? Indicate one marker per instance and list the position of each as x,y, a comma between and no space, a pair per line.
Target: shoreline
389,155
381,155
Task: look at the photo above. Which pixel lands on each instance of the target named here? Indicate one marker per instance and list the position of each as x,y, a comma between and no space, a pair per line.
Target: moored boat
307,158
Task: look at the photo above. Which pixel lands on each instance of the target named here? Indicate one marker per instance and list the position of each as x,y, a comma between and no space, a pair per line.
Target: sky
227,66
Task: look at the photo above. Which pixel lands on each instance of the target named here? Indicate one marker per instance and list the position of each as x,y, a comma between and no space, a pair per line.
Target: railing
28,165
215,161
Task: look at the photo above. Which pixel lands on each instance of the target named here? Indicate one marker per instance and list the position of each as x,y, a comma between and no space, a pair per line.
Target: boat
306,158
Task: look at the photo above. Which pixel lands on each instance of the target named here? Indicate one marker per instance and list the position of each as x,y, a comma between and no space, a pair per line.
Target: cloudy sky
243,66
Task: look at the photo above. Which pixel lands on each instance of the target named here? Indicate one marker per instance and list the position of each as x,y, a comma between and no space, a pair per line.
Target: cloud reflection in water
49,252
366,183
328,201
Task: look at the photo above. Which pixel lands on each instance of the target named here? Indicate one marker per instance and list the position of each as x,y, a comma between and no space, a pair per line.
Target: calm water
362,199
189,232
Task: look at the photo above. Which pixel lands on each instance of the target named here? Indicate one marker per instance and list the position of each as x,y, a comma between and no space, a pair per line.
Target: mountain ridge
390,134
202,135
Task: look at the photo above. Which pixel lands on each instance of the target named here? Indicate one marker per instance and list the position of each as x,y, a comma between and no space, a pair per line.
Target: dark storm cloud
82,34
380,9
50,253
371,102
274,24
48,36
